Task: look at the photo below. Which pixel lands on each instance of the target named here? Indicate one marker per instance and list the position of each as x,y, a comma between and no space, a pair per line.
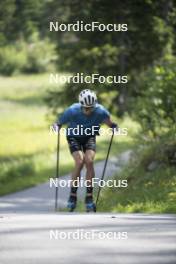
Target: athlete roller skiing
87,115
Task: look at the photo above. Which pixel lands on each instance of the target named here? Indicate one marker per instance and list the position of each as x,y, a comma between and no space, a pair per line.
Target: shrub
40,57
36,56
12,60
155,108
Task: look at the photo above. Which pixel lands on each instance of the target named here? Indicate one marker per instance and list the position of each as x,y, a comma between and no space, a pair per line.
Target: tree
155,107
148,36
19,19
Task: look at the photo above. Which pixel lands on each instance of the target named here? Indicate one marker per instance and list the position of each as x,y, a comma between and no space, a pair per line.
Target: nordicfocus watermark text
80,26
89,79
110,183
80,130
81,234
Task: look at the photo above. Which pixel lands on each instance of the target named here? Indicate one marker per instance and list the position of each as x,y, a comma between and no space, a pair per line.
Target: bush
34,57
12,60
40,57
155,108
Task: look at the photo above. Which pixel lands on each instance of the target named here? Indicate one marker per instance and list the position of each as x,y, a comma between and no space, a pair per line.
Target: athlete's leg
78,157
89,162
89,150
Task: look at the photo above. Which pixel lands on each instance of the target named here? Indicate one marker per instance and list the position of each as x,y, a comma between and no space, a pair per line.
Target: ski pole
105,164
57,168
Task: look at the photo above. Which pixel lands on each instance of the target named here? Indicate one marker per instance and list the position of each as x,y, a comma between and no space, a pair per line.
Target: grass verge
151,177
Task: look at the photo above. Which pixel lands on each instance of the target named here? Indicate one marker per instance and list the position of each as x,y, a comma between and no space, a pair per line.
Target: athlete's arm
110,123
65,117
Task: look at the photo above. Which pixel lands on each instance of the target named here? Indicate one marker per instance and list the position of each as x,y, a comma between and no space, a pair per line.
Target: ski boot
71,205
90,205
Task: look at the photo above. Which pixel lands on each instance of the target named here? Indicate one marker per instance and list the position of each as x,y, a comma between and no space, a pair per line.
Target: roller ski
71,205
90,205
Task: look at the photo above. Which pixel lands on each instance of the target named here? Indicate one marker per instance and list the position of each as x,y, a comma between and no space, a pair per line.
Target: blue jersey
80,124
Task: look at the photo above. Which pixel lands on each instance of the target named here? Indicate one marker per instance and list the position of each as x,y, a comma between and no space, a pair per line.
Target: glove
56,127
114,125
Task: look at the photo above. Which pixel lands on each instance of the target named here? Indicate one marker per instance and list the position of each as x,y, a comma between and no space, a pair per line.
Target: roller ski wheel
71,205
90,205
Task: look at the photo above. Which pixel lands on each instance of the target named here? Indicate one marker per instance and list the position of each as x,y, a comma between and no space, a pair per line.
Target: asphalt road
41,198
53,238
32,233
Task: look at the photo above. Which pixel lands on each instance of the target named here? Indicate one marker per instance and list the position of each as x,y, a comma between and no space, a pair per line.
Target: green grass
149,191
27,150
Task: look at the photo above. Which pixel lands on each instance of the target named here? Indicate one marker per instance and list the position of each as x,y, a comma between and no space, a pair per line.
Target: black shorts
81,143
